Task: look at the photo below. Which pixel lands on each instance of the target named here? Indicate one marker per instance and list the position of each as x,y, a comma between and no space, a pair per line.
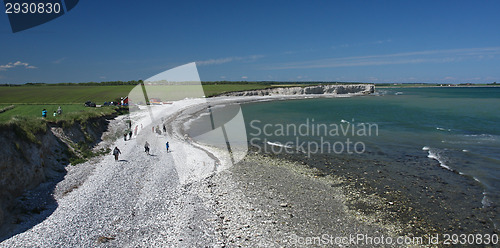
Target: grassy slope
36,110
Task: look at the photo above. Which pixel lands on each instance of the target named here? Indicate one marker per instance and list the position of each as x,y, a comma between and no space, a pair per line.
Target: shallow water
457,127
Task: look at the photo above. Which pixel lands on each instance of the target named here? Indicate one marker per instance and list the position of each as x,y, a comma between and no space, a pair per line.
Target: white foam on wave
381,92
425,148
480,138
486,202
344,121
189,123
437,156
443,129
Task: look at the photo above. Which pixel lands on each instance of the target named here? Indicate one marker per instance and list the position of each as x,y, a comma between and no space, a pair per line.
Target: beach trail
136,201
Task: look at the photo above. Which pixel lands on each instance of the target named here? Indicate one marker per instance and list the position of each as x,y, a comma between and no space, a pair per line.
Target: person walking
164,128
130,135
116,152
167,145
125,136
135,131
146,148
44,113
59,110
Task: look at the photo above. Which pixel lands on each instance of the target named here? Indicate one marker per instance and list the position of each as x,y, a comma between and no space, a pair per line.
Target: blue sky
363,41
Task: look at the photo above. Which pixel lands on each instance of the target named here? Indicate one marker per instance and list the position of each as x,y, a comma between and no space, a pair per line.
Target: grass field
61,94
35,110
99,94
29,101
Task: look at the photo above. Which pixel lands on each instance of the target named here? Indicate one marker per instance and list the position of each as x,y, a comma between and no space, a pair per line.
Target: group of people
56,113
129,133
117,152
157,129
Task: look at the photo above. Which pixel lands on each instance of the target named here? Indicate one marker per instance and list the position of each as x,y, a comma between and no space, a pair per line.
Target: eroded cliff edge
30,158
325,89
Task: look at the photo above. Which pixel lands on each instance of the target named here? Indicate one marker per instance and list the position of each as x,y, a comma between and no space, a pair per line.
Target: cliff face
309,90
24,164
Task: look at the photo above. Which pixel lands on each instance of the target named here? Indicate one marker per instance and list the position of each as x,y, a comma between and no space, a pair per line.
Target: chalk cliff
309,90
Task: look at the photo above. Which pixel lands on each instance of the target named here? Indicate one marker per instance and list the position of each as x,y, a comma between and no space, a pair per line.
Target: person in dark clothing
130,135
125,136
167,146
44,113
164,128
146,147
116,152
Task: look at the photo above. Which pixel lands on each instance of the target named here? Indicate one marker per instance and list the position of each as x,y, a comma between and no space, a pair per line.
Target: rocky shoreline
414,201
269,202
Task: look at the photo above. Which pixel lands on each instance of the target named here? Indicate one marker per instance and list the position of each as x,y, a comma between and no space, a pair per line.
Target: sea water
459,127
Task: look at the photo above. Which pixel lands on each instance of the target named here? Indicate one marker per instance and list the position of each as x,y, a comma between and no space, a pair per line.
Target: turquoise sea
456,128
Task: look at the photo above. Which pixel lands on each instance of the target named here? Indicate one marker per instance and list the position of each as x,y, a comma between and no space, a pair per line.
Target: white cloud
432,56
227,60
244,77
16,64
58,61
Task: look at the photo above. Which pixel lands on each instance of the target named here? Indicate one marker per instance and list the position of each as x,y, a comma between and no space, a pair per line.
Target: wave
188,124
443,129
437,154
440,159
486,202
344,121
482,137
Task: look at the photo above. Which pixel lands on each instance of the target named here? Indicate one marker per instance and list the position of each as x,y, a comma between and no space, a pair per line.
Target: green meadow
58,94
30,100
